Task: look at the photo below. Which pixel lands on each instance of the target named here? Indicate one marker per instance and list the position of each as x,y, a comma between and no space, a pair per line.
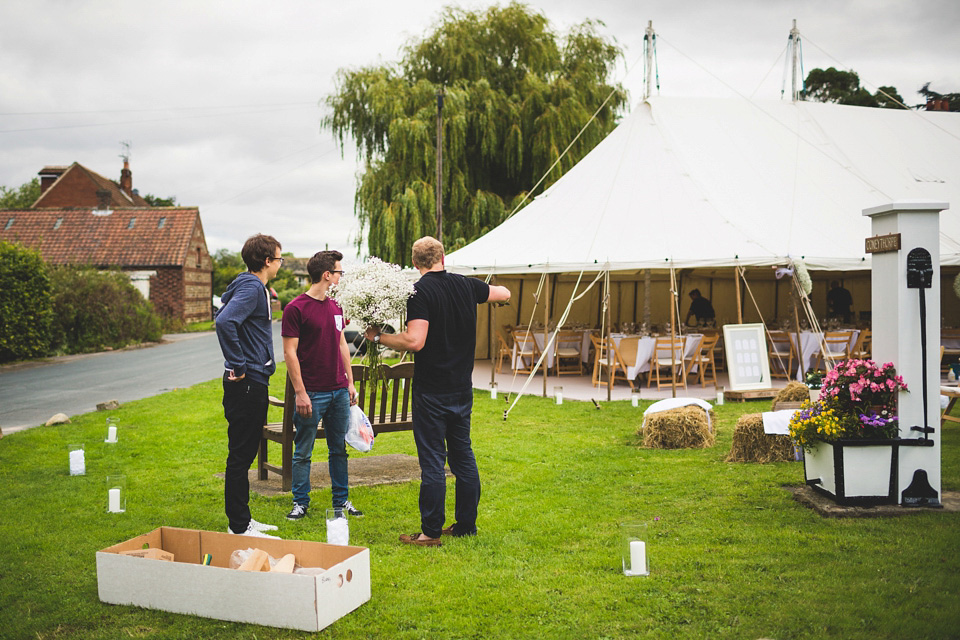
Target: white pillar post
896,329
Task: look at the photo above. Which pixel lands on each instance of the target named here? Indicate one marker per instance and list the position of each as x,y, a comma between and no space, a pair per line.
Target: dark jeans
441,429
245,408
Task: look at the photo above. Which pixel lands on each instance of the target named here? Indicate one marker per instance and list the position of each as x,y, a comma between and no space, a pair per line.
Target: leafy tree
157,201
227,265
843,87
22,197
952,98
25,308
516,94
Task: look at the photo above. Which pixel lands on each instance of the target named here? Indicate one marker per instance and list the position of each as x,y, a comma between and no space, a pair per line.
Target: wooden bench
387,405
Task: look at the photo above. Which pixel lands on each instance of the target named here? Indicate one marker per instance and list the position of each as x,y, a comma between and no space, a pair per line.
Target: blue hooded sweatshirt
244,329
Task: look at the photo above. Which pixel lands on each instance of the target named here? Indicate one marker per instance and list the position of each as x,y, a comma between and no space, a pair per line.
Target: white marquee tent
698,183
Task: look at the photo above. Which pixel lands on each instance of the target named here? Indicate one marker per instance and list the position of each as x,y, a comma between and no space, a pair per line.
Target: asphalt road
30,393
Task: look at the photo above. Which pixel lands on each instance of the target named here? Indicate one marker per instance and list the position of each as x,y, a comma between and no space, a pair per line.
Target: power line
95,111
151,121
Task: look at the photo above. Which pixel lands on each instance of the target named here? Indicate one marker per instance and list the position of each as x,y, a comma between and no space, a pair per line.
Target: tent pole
492,319
646,298
546,332
736,284
609,338
674,317
516,322
796,330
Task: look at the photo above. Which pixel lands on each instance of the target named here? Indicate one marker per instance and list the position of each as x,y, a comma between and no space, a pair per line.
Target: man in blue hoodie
246,340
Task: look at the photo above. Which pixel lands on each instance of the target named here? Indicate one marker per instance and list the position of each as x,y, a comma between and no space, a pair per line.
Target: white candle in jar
111,434
113,501
77,465
634,400
638,557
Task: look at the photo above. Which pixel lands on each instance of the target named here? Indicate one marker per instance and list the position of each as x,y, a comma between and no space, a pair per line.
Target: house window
132,223
161,222
56,225
9,224
199,260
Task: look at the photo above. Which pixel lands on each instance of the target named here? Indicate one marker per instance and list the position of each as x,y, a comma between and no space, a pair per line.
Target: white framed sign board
745,346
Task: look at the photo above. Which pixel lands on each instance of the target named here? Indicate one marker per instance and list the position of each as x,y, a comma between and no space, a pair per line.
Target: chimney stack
49,175
126,179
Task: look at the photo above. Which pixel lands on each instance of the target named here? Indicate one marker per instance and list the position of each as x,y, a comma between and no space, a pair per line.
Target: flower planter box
854,472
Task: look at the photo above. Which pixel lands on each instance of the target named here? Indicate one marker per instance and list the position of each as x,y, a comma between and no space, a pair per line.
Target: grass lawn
732,554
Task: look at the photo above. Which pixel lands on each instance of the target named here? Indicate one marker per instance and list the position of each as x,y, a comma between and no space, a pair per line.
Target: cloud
222,100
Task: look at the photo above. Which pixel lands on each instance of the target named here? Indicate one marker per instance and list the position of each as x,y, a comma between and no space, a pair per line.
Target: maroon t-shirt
318,324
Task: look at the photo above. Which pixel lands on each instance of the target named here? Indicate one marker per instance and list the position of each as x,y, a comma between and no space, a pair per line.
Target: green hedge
94,310
25,307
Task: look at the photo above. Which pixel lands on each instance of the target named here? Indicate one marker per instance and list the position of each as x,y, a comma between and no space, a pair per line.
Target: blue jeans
441,429
333,407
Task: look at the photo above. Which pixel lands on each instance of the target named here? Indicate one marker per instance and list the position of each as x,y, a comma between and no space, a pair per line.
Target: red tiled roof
82,237
77,186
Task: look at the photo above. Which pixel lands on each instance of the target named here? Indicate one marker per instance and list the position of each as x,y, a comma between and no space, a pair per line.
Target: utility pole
440,164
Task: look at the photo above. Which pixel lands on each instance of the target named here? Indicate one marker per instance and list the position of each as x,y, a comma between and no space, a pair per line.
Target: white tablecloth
645,346
810,345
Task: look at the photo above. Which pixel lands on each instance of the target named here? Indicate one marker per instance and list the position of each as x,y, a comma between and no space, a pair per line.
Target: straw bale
680,428
751,444
793,392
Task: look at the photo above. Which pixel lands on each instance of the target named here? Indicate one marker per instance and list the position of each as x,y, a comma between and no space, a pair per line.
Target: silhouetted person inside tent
839,302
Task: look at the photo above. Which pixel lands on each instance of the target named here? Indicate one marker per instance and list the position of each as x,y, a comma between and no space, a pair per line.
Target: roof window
56,225
9,224
161,222
132,223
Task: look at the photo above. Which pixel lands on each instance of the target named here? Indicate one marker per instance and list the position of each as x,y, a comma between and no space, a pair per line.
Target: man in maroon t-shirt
318,363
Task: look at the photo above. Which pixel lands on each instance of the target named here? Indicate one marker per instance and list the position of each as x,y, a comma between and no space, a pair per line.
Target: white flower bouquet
372,294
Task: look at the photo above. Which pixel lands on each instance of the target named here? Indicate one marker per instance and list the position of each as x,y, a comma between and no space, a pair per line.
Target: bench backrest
388,402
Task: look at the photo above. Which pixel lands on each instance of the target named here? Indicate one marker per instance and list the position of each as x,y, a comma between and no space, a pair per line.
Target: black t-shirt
448,301
702,308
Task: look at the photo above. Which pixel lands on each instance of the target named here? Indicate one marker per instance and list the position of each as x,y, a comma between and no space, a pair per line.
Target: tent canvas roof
707,182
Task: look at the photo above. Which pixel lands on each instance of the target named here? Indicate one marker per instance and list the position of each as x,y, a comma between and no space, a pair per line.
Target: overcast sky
221,101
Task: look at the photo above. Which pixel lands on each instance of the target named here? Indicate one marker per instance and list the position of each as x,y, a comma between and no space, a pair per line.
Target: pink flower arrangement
858,400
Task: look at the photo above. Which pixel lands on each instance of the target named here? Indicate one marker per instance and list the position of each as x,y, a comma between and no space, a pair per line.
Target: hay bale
793,392
681,428
751,444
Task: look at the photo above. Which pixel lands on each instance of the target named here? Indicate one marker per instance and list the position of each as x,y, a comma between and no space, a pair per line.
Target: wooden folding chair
667,354
953,394
863,348
606,355
837,344
782,354
504,351
526,352
694,359
708,360
567,346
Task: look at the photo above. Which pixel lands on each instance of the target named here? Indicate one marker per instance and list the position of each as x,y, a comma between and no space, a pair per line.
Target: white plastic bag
359,432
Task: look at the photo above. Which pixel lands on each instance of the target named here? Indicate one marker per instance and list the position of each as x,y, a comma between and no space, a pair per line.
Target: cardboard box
293,601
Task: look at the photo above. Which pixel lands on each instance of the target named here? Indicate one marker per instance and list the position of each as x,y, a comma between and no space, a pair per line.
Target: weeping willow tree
516,94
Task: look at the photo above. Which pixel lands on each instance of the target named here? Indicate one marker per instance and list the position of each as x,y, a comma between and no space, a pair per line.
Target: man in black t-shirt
839,302
441,330
700,307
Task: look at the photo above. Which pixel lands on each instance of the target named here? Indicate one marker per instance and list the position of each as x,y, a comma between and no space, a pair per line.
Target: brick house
106,225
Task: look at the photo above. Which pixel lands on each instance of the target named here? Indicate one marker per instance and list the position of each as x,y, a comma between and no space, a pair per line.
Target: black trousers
441,429
245,408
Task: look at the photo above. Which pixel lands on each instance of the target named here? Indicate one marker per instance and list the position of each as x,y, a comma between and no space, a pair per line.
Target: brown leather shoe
451,531
414,539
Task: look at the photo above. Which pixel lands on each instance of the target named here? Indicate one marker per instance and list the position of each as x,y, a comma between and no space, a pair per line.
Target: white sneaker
259,526
253,533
